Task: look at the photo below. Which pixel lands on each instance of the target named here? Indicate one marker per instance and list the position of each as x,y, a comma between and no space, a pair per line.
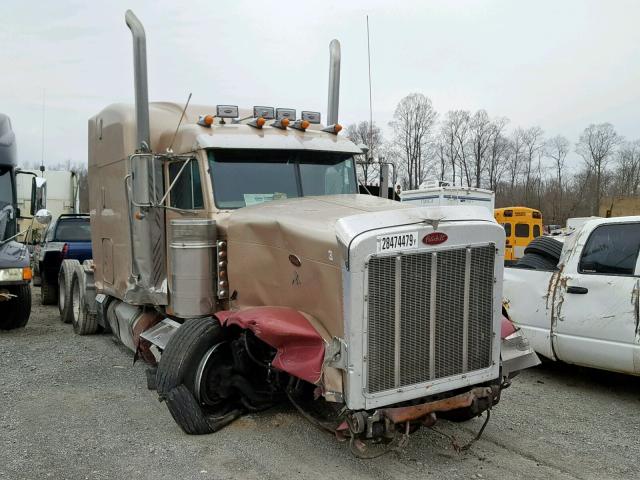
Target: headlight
10,274
15,274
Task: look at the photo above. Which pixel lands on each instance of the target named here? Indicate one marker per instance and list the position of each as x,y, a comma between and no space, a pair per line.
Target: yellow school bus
521,225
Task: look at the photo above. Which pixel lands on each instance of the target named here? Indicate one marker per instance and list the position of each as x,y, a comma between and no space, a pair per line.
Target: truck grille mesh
430,315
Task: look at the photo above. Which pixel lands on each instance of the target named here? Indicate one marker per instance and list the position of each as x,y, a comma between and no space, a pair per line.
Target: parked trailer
235,253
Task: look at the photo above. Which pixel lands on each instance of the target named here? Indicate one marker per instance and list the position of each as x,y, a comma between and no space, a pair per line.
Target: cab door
597,310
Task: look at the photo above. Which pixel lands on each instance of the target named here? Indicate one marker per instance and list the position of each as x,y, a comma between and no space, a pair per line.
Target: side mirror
38,194
43,216
363,147
142,171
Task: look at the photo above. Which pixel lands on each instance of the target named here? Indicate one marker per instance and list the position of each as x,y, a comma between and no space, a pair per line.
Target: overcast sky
557,64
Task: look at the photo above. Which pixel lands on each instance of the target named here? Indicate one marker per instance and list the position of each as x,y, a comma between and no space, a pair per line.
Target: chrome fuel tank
192,251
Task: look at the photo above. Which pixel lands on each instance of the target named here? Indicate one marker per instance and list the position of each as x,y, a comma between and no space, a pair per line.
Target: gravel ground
75,407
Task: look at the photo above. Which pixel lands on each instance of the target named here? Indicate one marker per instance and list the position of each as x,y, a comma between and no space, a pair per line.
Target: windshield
7,226
247,177
73,230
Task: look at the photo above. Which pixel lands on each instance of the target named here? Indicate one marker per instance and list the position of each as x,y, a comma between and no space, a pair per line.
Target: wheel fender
300,348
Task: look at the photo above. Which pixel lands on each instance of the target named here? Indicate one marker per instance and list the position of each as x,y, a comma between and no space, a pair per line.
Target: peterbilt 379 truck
232,251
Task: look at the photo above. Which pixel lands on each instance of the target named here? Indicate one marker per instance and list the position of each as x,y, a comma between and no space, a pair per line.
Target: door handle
578,290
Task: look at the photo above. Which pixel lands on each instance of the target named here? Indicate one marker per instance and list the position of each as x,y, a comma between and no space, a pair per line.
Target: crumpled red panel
300,349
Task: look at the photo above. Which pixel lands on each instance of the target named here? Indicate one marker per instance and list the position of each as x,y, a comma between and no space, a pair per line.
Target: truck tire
536,262
547,247
48,291
17,310
85,322
175,378
64,289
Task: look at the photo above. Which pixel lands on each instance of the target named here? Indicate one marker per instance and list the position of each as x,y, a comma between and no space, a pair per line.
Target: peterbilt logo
435,238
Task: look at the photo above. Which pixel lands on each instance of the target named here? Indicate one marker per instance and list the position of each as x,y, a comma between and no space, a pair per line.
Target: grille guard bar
464,400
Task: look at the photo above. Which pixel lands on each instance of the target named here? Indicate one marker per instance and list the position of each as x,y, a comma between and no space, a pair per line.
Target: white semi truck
233,253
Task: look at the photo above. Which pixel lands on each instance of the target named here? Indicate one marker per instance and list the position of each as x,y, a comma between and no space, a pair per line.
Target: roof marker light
301,125
268,113
227,111
258,122
282,123
289,113
334,129
205,120
311,117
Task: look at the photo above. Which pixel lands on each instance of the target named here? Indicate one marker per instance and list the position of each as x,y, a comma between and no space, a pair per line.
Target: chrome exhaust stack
334,82
140,80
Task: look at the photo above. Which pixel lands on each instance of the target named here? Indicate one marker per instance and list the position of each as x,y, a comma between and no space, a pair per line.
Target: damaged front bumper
516,354
477,399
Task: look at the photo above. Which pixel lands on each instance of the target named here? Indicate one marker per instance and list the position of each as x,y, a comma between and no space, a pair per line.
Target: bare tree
627,175
480,129
557,149
453,135
441,153
498,152
597,145
412,125
515,156
533,143
360,133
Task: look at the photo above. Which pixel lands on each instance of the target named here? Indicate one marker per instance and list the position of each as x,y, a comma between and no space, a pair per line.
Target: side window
507,229
536,231
187,191
522,230
611,249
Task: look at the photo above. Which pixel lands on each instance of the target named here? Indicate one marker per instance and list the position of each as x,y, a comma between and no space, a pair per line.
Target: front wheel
48,290
14,313
196,345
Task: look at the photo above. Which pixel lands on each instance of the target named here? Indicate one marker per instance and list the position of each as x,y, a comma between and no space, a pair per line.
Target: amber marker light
335,129
206,120
27,274
260,122
284,122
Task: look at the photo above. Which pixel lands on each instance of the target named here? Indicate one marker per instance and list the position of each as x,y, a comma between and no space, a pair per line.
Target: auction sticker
397,241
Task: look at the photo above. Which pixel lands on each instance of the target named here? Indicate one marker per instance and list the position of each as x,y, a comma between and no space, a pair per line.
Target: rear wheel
15,313
65,278
85,321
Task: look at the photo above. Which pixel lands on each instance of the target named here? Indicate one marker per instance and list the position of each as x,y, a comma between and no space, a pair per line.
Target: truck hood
322,228
13,255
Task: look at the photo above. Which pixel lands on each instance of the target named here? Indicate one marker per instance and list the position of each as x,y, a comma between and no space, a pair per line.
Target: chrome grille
429,315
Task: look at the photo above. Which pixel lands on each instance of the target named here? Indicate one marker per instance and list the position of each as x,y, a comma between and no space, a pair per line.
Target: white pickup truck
583,307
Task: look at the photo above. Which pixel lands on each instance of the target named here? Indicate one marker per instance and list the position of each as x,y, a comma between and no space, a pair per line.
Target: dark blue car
68,238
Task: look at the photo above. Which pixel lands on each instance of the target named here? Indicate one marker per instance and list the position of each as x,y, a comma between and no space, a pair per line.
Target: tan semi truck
231,249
